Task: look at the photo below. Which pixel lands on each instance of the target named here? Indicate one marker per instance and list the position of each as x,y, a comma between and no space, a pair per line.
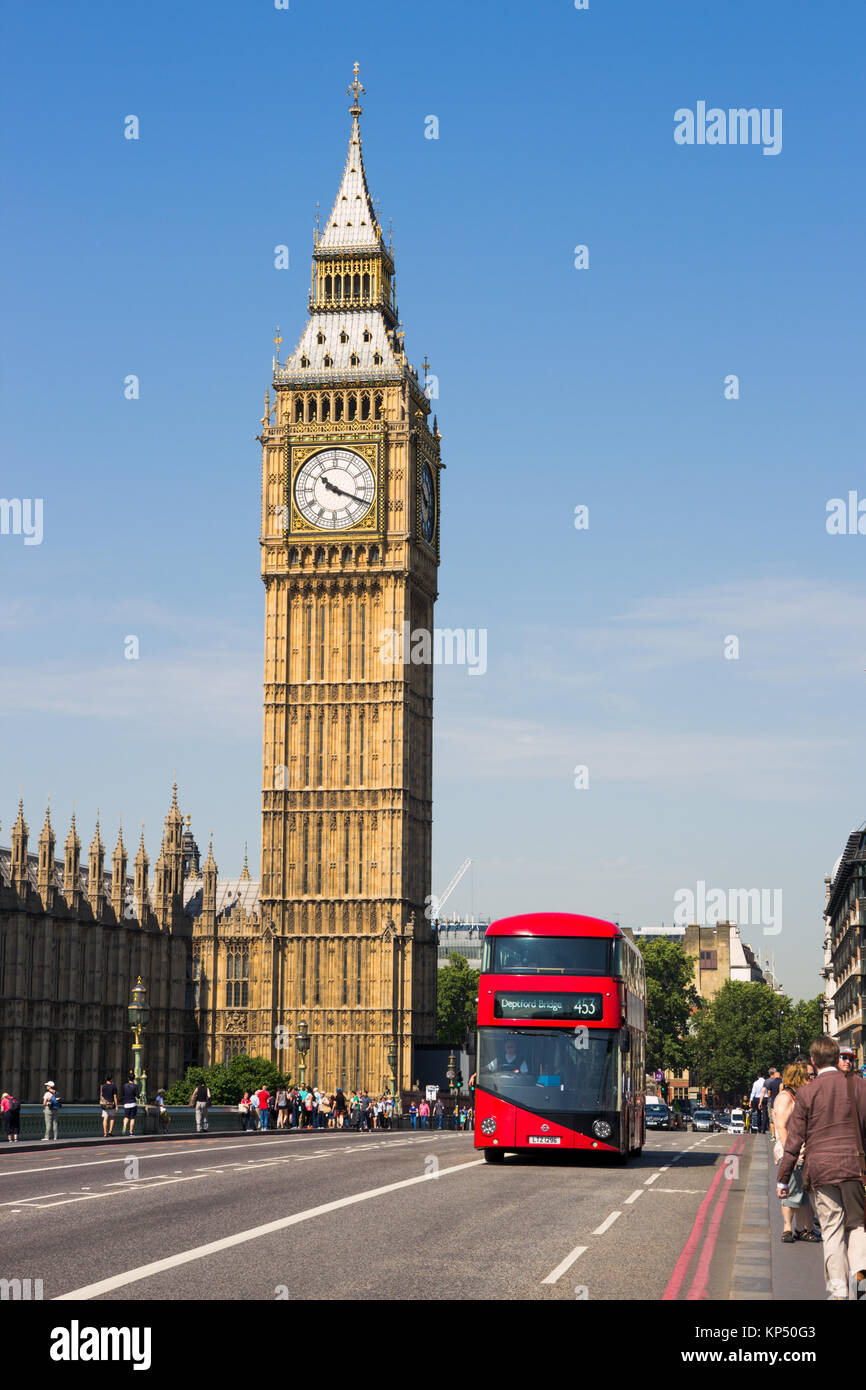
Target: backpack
56,1102
13,1107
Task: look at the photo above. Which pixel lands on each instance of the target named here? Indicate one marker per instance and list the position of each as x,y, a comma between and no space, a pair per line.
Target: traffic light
458,1080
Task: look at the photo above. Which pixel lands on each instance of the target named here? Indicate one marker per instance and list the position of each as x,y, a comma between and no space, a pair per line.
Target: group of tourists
817,1118
308,1107
425,1115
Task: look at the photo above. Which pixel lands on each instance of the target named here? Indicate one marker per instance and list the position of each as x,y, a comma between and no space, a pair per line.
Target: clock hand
332,488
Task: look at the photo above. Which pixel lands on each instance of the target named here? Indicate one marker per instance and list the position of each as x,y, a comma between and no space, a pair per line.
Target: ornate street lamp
451,1072
302,1042
392,1067
139,1013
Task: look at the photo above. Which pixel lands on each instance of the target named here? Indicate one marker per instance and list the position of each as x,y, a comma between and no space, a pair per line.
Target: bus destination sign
521,1004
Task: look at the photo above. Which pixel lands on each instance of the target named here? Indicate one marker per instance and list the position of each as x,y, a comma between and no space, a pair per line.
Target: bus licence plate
544,1139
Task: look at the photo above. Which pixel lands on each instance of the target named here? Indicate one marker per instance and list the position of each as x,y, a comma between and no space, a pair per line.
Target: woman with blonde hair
797,1214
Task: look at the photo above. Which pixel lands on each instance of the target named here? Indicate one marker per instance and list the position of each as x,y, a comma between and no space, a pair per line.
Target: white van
737,1124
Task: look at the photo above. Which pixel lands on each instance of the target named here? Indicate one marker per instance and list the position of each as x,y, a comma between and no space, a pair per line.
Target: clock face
334,489
427,498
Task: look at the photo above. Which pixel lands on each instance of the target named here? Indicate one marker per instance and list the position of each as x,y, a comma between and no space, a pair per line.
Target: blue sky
558,387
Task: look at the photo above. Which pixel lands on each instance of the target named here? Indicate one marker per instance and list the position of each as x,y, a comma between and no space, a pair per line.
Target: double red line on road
702,1272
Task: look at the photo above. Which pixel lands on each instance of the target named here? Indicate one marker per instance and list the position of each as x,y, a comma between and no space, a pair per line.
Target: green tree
671,1002
457,999
740,1033
228,1081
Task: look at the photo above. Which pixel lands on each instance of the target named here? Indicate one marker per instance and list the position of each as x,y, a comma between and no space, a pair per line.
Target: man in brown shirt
821,1119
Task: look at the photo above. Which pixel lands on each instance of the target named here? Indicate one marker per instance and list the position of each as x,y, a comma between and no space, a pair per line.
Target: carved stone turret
45,873
72,869
142,892
95,874
118,876
20,873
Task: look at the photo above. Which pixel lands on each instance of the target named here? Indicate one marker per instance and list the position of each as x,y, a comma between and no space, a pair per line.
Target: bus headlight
488,1126
601,1129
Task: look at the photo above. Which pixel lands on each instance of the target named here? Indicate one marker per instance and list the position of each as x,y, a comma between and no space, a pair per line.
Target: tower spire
356,108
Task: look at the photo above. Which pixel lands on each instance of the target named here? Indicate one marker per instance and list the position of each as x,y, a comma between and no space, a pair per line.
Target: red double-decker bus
561,1037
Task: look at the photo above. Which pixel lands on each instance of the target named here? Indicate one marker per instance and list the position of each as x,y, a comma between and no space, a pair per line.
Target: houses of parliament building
334,933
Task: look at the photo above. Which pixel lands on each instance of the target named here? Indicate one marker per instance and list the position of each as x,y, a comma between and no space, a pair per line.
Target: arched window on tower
361,732
326,408
306,750
347,286
365,405
305,888
329,287
339,403
363,657
320,751
322,624
308,640
299,410
313,402
348,769
366,284
353,404
356,285
344,337
349,642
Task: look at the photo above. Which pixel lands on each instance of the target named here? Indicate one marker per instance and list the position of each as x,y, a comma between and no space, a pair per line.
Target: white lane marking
565,1264
119,1157
40,1197
133,1276
653,1178
606,1223
634,1196
692,1190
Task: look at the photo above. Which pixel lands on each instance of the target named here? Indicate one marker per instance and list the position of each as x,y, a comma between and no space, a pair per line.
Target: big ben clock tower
350,549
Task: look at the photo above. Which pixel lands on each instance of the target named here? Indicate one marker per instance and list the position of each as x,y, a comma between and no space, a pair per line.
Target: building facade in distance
844,968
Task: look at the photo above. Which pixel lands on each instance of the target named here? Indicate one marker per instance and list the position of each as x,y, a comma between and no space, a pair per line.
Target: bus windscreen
543,1069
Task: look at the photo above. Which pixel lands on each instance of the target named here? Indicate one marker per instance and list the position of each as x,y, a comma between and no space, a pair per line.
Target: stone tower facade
350,549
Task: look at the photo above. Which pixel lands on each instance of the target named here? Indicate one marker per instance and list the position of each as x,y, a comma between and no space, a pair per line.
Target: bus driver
510,1061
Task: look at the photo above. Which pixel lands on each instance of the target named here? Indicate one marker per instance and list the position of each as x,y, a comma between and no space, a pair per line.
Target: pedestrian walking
438,1112
50,1107
199,1100
162,1112
108,1104
847,1063
282,1105
340,1108
413,1115
130,1092
423,1113
829,1117
244,1111
254,1110
264,1097
755,1098
797,1215
771,1090
10,1108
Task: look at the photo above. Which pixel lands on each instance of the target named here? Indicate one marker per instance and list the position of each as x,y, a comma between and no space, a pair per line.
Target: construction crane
440,902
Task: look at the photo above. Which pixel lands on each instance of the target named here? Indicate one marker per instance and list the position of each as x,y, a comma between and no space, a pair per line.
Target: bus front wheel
494,1155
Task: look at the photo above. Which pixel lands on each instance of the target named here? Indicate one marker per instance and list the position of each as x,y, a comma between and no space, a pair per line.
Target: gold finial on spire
426,365
355,109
